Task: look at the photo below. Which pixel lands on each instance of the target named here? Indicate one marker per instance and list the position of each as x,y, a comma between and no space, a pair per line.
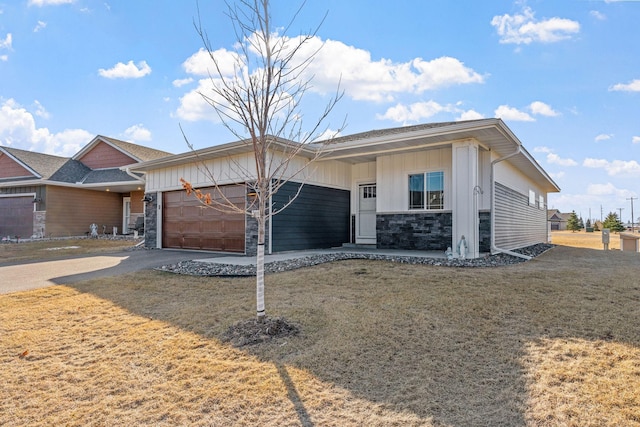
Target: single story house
557,219
45,195
419,187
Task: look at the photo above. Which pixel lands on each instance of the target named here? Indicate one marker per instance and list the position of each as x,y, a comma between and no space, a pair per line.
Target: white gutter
494,248
142,178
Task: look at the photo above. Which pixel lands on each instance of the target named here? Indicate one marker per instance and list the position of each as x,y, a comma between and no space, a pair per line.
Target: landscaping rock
197,268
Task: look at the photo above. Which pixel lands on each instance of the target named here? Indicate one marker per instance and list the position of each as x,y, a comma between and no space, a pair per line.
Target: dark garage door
318,218
186,224
16,216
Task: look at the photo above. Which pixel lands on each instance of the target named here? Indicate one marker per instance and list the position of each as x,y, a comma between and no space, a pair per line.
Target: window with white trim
426,190
541,199
532,198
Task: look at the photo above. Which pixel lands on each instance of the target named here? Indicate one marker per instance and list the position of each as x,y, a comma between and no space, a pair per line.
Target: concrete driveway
33,275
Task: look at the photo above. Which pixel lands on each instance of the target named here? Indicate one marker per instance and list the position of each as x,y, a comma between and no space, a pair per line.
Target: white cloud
542,109
6,43
635,140
525,29
126,71
557,175
201,64
607,189
41,3
470,115
629,168
137,133
603,137
633,86
598,15
414,112
194,107
542,149
554,159
361,77
182,82
40,26
4,58
18,129
328,134
41,111
509,113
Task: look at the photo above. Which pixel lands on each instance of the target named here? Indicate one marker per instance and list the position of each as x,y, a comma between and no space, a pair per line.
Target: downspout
132,175
494,248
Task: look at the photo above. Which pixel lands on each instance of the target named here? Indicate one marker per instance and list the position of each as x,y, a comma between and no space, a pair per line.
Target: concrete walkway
33,275
16,277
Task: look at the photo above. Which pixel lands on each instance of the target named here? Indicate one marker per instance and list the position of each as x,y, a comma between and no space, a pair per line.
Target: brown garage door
186,224
16,216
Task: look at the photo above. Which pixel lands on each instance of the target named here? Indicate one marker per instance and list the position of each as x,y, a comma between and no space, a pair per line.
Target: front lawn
553,341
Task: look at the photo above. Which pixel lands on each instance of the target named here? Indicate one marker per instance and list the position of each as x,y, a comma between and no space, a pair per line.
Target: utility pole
620,219
633,230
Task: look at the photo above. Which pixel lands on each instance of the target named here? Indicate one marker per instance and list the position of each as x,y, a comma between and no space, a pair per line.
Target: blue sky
563,74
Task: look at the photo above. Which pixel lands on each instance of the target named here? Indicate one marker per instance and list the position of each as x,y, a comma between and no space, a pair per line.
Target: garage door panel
16,216
187,224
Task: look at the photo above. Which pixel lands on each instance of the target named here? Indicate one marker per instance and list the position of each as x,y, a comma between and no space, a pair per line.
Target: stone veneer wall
414,231
151,221
485,231
251,236
39,223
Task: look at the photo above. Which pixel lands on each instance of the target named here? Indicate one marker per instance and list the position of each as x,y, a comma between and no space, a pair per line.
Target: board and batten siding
240,168
393,171
517,223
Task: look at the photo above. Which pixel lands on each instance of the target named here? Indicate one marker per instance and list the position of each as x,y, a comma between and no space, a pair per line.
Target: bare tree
259,102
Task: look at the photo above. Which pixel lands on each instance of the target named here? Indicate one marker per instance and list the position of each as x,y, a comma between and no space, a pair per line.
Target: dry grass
582,239
554,341
58,248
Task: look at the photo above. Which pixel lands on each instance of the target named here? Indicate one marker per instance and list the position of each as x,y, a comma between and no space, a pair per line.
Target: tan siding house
43,195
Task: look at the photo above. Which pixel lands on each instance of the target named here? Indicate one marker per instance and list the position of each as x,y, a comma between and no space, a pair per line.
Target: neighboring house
44,195
558,220
419,187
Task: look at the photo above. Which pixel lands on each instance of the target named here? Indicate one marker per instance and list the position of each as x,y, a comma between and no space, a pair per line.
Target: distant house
557,220
45,195
419,187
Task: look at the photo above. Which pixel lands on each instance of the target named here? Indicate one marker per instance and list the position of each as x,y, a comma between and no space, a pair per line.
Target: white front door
366,218
126,214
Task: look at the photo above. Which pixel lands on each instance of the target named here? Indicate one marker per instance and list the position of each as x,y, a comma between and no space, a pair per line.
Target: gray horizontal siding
517,224
318,218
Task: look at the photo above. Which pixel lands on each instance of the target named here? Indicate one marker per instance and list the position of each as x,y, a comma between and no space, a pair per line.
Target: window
541,198
532,198
426,190
368,191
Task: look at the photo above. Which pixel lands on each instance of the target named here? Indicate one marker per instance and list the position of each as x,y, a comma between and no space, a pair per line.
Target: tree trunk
262,220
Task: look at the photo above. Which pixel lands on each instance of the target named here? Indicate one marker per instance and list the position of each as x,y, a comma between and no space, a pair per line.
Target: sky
564,75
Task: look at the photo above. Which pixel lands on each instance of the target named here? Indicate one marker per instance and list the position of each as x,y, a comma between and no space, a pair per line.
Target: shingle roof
107,175
44,164
391,131
72,171
139,151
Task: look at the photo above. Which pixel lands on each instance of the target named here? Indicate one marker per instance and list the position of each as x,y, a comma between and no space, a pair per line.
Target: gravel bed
195,268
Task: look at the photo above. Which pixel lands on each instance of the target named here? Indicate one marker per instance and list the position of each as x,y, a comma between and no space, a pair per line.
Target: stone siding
485,231
151,221
414,231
